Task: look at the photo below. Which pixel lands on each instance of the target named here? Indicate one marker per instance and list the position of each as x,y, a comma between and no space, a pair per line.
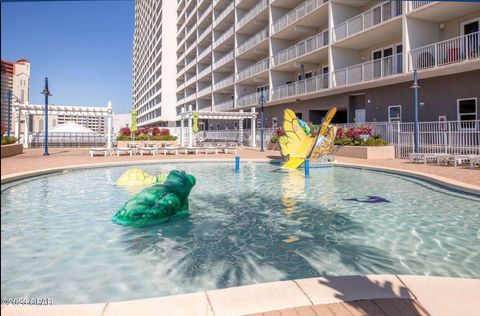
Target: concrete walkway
32,159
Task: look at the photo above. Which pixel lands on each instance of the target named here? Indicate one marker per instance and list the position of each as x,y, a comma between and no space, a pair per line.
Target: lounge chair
170,149
230,148
192,150
149,150
210,147
128,150
474,161
101,151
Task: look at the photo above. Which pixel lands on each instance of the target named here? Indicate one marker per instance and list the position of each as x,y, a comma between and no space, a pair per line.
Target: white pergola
37,109
208,115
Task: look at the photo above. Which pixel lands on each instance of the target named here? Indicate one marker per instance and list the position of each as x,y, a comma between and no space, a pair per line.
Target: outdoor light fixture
47,93
422,104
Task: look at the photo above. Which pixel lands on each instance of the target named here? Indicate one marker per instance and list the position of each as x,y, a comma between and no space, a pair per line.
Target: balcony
224,106
252,99
190,81
297,88
302,48
224,13
205,52
222,61
223,37
371,70
296,14
379,14
204,72
447,52
253,41
224,83
204,33
204,91
204,14
254,69
414,5
252,13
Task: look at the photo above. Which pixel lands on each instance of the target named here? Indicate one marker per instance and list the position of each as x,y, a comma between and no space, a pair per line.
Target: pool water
58,241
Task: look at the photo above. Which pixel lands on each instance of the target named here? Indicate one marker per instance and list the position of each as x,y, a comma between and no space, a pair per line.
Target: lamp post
46,92
262,102
415,88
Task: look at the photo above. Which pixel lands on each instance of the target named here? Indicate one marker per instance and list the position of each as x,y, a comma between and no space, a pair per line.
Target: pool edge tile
256,298
54,310
445,296
325,290
175,305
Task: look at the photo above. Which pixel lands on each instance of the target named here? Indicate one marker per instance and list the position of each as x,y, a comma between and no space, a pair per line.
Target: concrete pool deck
429,295
342,295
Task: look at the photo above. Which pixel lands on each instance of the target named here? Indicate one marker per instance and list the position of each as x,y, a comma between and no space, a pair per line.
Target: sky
83,47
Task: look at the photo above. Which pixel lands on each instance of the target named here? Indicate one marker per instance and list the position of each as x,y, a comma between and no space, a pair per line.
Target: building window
395,113
467,111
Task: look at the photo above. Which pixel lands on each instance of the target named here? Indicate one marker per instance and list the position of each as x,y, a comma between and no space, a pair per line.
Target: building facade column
190,133
17,123
254,125
182,127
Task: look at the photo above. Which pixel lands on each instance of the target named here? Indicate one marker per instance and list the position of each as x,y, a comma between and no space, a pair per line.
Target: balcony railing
451,51
253,12
223,37
224,83
204,33
252,99
253,69
304,47
381,13
225,59
204,91
190,97
253,41
224,13
300,87
296,14
204,14
204,72
190,81
371,70
205,52
413,5
224,106
191,63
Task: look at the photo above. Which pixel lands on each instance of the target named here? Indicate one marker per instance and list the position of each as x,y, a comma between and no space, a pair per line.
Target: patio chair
127,150
416,157
230,148
101,151
210,147
444,158
474,161
193,149
462,160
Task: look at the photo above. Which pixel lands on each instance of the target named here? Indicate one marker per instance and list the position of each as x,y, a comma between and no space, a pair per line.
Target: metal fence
452,137
69,140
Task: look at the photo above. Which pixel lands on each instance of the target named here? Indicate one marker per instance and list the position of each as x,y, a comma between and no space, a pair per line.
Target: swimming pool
58,240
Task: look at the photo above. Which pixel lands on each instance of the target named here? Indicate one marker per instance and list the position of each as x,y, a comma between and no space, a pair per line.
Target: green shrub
274,139
8,140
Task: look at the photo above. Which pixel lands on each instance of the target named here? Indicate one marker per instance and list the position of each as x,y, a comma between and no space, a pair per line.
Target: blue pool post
46,92
237,164
307,168
415,101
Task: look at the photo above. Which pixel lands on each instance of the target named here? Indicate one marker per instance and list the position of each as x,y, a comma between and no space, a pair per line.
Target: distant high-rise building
16,77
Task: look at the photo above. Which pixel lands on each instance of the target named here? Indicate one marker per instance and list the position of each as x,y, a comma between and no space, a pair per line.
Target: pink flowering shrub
358,136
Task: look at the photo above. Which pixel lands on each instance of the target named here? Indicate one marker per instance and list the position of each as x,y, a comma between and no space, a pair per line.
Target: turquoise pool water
58,240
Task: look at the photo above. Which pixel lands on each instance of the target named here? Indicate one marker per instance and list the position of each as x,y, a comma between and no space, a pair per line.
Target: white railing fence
254,69
452,137
413,5
296,14
381,13
371,70
300,87
253,41
253,12
252,99
446,52
304,47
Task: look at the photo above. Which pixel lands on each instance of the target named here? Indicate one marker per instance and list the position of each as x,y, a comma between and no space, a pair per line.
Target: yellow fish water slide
297,146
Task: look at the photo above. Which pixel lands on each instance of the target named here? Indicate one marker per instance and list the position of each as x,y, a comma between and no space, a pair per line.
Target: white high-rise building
307,55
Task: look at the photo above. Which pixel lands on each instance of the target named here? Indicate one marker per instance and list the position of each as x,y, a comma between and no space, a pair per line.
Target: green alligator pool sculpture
158,203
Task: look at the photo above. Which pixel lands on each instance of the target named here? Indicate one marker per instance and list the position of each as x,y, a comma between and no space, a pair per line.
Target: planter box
366,152
273,146
11,150
123,144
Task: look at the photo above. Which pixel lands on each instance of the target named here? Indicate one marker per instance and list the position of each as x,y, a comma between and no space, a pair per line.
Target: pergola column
182,127
26,141
17,123
190,132
109,125
254,125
